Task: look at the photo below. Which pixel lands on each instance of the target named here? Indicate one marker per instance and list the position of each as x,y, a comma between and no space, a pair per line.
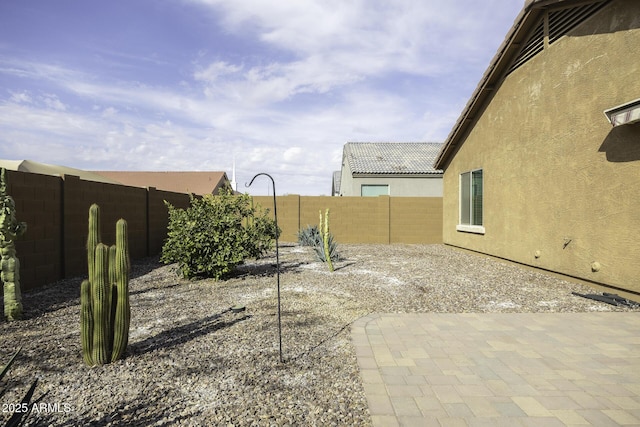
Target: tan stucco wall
399,187
558,179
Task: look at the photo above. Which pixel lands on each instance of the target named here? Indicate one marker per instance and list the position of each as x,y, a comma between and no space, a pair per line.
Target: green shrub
216,233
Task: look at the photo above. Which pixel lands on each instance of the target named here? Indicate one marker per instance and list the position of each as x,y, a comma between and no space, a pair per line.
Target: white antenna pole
234,184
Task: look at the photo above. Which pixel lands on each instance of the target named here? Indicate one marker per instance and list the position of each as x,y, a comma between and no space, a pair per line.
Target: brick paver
516,369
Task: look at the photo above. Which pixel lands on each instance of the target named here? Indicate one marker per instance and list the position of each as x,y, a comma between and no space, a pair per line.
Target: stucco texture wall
561,186
417,186
399,186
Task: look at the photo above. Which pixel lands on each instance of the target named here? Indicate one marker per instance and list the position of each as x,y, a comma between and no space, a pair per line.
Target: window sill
476,229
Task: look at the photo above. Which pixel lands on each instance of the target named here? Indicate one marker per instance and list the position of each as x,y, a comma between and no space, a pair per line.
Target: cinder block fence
56,211
381,219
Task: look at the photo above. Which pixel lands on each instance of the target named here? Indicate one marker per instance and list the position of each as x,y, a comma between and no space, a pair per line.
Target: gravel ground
192,361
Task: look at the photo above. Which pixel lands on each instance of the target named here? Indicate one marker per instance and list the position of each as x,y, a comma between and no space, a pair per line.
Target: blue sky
278,85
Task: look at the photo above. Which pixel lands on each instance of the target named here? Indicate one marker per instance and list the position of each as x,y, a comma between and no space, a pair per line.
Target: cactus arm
111,291
12,296
122,316
101,310
86,322
93,237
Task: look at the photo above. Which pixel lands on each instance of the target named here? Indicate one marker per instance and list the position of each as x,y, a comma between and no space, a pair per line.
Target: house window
374,190
471,190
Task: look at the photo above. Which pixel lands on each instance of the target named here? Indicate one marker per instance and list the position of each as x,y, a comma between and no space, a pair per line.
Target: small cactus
104,296
10,230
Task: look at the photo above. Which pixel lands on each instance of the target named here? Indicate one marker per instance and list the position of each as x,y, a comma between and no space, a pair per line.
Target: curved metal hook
257,175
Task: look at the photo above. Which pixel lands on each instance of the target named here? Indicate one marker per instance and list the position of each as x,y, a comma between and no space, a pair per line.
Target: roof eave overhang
497,71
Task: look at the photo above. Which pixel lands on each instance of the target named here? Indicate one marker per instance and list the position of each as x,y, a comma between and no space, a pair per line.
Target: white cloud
53,102
321,73
215,70
20,98
334,44
292,154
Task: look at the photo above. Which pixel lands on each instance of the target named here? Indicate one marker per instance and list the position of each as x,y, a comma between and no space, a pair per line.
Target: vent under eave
554,24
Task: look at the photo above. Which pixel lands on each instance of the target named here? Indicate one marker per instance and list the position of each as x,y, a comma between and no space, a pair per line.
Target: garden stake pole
275,214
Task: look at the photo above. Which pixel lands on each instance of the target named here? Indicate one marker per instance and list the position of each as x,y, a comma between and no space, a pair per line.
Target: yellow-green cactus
324,233
10,230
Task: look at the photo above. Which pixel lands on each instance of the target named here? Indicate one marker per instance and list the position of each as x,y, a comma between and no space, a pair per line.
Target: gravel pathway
191,361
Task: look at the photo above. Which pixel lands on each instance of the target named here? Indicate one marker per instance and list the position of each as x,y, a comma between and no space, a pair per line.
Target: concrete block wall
115,201
56,210
416,220
380,219
37,199
158,216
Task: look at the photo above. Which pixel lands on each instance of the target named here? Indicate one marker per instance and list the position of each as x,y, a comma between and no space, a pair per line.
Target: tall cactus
104,297
324,232
122,312
10,230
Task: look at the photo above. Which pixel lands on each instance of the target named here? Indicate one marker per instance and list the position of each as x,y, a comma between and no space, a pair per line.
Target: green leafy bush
216,233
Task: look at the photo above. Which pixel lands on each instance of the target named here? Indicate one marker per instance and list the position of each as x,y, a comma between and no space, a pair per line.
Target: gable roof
392,158
199,183
54,170
524,40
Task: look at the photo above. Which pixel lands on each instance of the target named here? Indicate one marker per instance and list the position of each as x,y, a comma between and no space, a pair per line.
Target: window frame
375,185
470,227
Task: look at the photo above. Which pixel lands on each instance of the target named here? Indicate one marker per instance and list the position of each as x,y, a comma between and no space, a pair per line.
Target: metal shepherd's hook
275,214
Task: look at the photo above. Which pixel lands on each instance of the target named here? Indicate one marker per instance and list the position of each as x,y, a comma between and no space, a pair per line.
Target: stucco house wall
384,164
413,186
561,185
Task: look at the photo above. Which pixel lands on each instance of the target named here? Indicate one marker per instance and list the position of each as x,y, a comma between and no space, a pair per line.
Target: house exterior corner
540,176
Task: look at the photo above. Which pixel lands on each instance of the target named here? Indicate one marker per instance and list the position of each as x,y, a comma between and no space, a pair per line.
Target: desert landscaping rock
193,361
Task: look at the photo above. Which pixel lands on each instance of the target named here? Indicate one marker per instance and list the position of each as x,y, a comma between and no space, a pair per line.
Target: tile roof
199,183
392,158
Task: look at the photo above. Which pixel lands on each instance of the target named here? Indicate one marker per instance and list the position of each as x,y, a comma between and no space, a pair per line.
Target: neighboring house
390,168
54,170
534,172
199,183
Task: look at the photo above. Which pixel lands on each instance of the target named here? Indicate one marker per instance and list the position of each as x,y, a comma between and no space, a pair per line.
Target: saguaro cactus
10,229
104,297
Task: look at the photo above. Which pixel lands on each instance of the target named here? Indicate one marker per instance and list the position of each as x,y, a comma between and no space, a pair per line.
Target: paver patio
500,369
